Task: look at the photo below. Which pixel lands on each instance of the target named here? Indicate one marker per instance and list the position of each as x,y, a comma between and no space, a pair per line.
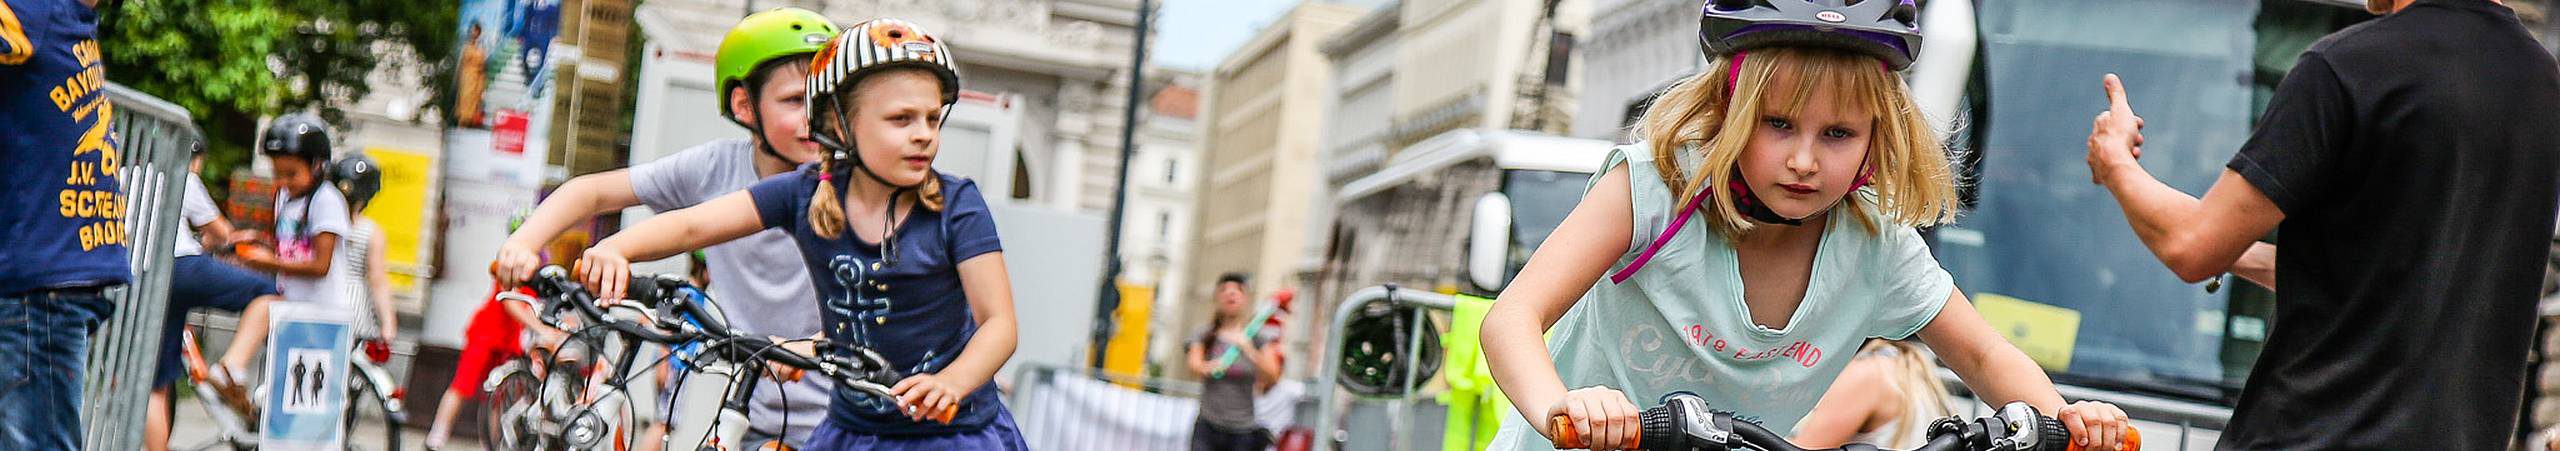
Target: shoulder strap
1664,238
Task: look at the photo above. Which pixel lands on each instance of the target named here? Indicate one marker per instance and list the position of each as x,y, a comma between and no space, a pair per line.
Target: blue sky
1196,34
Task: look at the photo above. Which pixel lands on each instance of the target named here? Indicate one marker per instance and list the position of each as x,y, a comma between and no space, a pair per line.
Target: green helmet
766,36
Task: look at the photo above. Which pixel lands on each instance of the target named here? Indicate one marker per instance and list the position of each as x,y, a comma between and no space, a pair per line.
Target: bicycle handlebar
560,292
866,370
1682,422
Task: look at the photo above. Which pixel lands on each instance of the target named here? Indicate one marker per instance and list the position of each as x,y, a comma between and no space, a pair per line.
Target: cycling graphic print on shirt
862,312
855,313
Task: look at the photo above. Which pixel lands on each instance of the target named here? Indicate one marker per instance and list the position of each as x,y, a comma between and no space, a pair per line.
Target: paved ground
195,430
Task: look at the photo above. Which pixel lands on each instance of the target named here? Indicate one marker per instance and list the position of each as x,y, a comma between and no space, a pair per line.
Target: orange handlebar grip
1566,436
1569,438
2132,441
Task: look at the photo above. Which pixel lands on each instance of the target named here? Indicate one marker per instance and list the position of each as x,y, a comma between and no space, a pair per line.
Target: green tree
231,62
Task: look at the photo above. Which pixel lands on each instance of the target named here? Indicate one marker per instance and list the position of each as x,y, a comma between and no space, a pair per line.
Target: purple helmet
1886,29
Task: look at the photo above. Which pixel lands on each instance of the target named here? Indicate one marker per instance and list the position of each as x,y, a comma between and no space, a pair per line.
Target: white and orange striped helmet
861,50
878,44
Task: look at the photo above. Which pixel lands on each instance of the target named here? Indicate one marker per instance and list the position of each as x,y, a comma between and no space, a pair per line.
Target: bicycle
715,380
1682,423
370,395
724,372
567,403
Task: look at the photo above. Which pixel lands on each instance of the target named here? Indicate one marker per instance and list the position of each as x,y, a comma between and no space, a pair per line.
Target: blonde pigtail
826,212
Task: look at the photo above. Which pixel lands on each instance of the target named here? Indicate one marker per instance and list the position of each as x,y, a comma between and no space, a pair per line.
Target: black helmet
357,177
1886,29
299,134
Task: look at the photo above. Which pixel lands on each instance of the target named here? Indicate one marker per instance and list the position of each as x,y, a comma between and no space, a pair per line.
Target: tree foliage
231,62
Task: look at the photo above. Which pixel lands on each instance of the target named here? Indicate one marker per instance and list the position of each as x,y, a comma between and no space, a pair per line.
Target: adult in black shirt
2410,164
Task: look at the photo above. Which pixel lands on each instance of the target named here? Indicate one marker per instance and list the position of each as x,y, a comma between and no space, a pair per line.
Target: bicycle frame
725,373
234,431
733,363
578,409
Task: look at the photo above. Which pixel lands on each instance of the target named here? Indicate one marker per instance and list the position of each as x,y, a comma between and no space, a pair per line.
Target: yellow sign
1127,351
399,209
2046,333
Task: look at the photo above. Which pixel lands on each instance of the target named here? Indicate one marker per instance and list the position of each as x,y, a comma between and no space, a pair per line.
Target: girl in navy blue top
904,260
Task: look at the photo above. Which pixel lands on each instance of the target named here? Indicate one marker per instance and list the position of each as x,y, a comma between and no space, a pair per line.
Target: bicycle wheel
365,406
510,414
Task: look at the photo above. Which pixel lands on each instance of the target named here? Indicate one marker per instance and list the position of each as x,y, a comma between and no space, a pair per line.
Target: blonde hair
1915,378
1912,186
826,212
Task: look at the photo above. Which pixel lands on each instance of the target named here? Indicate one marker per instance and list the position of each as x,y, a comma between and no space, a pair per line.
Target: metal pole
1402,435
1102,323
1328,375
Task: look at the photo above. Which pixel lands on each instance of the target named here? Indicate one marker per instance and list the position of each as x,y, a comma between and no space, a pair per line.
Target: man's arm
2195,238
2258,265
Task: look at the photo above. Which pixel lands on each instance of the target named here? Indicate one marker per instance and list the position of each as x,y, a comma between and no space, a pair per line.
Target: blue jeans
44,342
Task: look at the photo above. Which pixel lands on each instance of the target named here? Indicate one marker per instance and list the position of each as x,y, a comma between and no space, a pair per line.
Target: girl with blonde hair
1771,210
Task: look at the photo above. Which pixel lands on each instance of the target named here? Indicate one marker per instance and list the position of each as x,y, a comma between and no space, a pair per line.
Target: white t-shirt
197,207
298,219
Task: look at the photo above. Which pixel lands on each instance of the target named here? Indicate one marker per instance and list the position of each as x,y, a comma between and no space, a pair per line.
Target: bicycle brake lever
1685,415
2021,424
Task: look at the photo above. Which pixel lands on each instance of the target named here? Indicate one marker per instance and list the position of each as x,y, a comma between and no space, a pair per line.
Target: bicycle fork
719,386
380,380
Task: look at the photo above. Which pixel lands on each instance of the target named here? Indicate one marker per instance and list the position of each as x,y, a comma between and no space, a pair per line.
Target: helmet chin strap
1752,207
764,143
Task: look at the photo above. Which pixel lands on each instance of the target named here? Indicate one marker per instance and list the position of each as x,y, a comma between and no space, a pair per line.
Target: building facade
1060,63
1266,105
1405,74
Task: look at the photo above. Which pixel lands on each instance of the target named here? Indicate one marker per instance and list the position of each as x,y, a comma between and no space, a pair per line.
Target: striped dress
354,255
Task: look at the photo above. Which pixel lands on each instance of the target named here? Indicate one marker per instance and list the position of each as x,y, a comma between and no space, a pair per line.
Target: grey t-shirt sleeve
682,179
197,208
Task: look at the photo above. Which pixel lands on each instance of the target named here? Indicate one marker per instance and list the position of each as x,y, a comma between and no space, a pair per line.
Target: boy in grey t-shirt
763,289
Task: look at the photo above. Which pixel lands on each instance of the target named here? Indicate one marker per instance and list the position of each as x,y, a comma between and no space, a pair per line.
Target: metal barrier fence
155,139
1077,408
1329,374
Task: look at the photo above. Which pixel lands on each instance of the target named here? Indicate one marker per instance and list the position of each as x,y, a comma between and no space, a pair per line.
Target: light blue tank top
1680,323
